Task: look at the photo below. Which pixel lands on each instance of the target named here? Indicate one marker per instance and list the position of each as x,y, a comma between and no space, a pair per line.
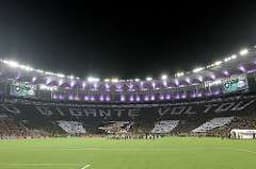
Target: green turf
166,153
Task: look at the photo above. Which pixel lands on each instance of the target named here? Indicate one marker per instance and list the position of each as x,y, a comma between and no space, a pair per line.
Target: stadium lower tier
217,116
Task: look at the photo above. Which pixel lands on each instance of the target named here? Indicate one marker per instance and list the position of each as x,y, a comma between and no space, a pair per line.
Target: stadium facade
219,95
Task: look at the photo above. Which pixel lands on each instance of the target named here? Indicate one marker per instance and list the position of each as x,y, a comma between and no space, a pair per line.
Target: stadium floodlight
234,56
122,98
198,69
106,80
243,52
153,84
83,84
164,77
218,63
12,63
213,76
176,82
137,98
137,80
242,68
114,80
200,78
165,83
34,79
179,74
60,82
188,80
93,79
39,71
61,75
225,72
149,78
72,83
71,77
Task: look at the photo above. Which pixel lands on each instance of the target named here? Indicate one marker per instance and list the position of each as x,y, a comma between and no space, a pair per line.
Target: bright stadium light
149,78
243,52
137,80
164,77
71,77
218,63
233,56
179,74
12,63
93,79
114,80
106,80
198,69
61,75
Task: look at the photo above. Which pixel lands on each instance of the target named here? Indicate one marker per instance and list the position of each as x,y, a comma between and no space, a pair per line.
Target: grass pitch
166,153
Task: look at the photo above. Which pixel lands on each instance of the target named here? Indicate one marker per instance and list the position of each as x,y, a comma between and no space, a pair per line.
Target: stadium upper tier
224,76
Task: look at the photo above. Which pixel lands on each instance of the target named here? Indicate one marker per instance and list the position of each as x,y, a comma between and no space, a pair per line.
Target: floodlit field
166,153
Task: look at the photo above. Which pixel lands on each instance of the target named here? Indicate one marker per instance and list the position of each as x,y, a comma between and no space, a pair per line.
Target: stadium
216,100
83,88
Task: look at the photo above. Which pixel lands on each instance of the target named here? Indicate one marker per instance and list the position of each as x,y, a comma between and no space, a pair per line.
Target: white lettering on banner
133,113
90,112
44,110
240,105
162,111
11,109
189,110
119,112
178,110
105,113
75,112
58,109
224,107
209,107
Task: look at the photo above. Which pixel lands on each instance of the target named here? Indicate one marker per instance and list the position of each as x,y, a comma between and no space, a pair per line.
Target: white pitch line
86,166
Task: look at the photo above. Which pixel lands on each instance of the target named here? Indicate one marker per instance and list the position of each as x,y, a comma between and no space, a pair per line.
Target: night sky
125,42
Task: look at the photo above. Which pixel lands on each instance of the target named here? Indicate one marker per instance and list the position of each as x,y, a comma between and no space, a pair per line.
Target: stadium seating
117,127
212,124
165,126
72,127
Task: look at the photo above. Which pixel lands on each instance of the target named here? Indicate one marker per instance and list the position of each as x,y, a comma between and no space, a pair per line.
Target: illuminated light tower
149,78
101,98
70,97
122,98
213,77
86,98
200,78
48,81
146,98
226,73
60,82
108,98
176,81
188,80
153,84
165,83
34,79
137,98
161,97
84,85
72,83
242,68
233,56
152,98
164,77
168,96
243,52
131,98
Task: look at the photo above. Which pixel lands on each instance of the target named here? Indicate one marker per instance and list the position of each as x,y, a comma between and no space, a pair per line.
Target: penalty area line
86,166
